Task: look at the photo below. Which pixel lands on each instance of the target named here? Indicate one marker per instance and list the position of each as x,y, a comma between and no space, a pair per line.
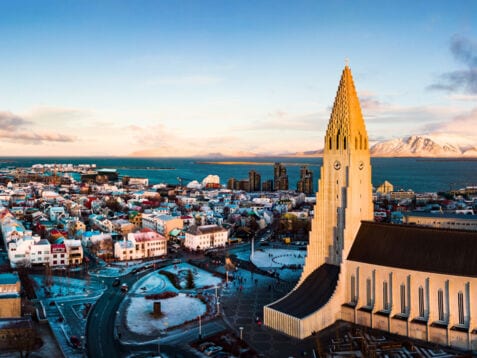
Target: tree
190,280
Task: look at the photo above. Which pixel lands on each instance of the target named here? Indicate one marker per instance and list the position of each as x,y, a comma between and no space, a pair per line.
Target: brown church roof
312,294
418,248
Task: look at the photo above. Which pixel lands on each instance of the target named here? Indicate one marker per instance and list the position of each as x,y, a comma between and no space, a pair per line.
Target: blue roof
8,278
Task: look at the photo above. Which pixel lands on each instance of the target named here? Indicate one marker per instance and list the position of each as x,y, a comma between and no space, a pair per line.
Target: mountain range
435,145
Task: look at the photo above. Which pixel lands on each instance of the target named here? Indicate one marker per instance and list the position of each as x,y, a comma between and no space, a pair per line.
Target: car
212,350
116,282
124,287
203,346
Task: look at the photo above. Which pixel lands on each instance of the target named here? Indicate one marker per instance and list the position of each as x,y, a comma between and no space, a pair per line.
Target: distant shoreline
237,163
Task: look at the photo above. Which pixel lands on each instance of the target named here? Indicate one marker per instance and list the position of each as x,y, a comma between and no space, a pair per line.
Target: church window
385,296
331,144
344,143
421,301
369,300
353,288
403,299
365,143
460,304
440,305
338,141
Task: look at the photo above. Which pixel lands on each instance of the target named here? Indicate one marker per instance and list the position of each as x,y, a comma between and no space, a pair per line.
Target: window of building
460,304
421,301
403,298
353,289
385,296
440,304
369,300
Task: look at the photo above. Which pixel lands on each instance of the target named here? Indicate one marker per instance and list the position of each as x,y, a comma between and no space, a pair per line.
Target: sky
191,78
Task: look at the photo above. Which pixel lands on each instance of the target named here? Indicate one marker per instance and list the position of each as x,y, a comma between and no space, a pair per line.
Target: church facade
407,280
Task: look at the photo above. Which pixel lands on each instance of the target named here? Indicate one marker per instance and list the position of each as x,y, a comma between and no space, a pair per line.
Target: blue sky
180,78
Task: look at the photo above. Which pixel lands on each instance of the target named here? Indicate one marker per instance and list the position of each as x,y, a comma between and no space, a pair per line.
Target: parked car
203,346
212,350
124,287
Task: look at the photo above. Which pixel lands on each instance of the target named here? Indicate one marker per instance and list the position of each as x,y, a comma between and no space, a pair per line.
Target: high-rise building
231,184
280,177
410,280
254,180
305,184
344,199
267,185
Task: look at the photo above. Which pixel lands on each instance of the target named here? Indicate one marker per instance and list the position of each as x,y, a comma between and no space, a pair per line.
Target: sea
418,174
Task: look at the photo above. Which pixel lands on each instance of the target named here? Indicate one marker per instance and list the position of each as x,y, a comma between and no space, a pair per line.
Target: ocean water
420,175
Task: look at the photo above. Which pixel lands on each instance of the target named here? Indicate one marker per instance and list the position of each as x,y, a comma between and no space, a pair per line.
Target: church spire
346,130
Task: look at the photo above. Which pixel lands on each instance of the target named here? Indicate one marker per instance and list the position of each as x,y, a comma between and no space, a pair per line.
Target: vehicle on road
124,287
212,350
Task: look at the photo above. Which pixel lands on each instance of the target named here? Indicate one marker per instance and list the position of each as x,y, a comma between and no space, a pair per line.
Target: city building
140,245
442,220
10,301
305,183
205,237
280,177
254,180
408,280
267,185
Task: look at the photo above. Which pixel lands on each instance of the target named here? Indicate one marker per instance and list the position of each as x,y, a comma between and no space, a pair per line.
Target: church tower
343,200
344,196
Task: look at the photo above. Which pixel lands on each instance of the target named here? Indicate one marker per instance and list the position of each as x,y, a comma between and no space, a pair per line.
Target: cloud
462,124
462,80
10,121
280,120
193,80
15,128
34,138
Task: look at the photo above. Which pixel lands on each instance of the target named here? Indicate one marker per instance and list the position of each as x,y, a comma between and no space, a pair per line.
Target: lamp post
200,328
241,331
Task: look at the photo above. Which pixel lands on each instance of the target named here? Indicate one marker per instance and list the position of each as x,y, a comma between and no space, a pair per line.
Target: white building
140,245
205,237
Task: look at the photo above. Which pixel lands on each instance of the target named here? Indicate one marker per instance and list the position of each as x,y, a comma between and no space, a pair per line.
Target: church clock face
361,165
337,165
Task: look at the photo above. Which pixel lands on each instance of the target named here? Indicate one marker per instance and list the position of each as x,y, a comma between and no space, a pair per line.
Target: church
413,281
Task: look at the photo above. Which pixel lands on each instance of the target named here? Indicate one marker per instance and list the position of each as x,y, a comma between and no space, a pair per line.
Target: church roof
312,294
346,118
417,248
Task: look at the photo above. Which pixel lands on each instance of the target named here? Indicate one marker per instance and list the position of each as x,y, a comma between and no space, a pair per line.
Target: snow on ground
64,286
152,283
276,258
176,311
201,278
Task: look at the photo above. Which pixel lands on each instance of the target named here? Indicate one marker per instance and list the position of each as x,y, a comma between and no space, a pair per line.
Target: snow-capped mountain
435,145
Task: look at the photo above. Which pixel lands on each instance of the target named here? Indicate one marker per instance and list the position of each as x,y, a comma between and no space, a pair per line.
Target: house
10,301
205,237
140,245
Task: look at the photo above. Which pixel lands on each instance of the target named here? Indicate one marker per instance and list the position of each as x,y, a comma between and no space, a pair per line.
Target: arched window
385,296
403,298
421,302
369,299
353,297
344,143
440,304
460,306
331,143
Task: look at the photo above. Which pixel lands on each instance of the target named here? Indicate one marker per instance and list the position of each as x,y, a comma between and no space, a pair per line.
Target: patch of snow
176,311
